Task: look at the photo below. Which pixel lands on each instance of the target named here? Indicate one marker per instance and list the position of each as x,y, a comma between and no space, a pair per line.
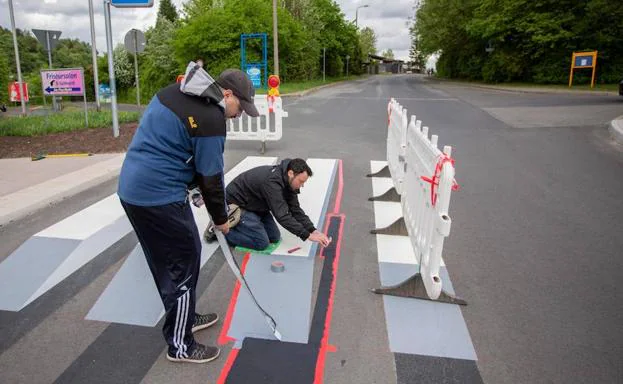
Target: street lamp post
357,13
20,83
275,39
94,58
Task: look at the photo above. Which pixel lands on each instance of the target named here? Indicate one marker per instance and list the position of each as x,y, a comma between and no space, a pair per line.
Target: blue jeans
254,231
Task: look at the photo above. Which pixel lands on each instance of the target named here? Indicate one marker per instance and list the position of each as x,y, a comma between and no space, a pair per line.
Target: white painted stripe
88,250
376,166
390,249
380,185
395,249
88,221
312,199
386,213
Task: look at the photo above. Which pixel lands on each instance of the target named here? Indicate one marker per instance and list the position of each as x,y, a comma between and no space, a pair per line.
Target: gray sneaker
200,354
233,216
204,321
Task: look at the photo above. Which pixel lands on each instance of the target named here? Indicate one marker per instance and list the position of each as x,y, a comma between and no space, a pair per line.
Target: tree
168,11
215,36
159,66
418,58
196,8
4,80
124,68
388,54
367,41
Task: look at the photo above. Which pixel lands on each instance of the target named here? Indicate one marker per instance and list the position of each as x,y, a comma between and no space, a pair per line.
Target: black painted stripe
126,353
263,361
412,369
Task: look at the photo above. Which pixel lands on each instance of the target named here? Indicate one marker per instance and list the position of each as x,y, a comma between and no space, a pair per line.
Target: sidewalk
27,186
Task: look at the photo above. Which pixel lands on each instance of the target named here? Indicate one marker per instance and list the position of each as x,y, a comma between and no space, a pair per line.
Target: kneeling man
266,191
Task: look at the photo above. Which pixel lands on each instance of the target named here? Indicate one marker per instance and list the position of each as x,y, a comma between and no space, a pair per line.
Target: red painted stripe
324,344
223,338
227,367
340,189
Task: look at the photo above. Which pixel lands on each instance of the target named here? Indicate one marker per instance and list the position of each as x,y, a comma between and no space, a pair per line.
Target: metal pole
275,38
20,83
111,70
94,55
47,41
84,94
138,94
324,64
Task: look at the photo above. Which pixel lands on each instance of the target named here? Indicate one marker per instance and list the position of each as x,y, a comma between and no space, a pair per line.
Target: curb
528,90
20,204
616,129
318,88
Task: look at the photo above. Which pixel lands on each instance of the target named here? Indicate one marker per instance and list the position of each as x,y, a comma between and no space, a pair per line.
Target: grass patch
293,87
560,87
60,122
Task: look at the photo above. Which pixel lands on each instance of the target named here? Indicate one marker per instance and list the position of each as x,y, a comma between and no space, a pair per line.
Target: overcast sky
388,18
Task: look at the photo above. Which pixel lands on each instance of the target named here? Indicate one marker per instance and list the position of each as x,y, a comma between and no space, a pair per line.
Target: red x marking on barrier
434,181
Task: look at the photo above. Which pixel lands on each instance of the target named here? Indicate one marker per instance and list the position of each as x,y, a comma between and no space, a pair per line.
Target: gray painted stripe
131,296
42,262
133,282
26,269
411,369
423,327
286,296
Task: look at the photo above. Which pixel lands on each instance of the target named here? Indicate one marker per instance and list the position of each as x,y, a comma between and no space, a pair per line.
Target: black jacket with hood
266,189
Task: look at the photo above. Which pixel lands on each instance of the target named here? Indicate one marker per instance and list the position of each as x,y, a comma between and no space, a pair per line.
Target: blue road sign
584,61
255,74
132,3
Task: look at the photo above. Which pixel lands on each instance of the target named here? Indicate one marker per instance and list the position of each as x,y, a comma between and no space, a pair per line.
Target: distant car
621,88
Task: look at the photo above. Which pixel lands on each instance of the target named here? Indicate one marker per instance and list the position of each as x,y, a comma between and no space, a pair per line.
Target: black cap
238,82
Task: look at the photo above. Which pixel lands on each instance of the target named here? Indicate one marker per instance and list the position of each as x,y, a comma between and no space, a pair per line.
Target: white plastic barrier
259,128
429,181
396,142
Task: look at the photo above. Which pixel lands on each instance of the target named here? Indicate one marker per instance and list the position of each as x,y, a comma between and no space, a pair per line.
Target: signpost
583,60
49,40
132,3
17,95
255,70
111,68
135,43
65,82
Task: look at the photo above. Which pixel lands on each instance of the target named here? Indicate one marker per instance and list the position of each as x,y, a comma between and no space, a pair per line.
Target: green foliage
4,80
215,36
158,65
531,40
60,122
124,67
388,53
207,29
367,41
167,10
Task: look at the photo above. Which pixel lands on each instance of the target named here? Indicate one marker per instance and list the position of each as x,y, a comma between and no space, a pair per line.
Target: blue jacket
180,141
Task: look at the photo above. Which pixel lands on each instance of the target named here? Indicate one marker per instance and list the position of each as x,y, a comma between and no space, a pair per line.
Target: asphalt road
536,244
